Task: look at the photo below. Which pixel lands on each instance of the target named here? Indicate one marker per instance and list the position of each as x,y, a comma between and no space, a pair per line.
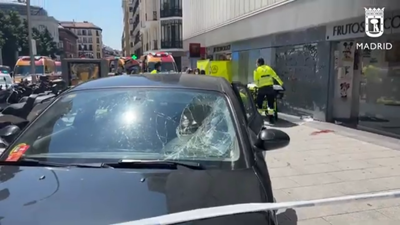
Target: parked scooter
24,97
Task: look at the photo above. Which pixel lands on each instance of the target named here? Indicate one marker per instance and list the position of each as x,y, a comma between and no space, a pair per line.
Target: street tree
46,44
9,40
14,38
2,25
23,41
36,35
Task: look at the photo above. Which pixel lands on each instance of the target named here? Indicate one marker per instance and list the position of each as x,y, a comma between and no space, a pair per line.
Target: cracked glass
162,124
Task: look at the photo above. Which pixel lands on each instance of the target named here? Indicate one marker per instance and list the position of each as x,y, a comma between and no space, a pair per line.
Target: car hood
36,195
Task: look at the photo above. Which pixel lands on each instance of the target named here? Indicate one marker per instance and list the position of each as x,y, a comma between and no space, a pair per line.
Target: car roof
166,80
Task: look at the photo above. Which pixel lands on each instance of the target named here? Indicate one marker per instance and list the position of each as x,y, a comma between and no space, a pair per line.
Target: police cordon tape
206,213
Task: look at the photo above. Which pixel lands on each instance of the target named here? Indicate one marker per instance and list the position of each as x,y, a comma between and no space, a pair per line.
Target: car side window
246,100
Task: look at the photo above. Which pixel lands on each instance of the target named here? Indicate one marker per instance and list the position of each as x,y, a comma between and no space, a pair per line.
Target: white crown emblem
374,12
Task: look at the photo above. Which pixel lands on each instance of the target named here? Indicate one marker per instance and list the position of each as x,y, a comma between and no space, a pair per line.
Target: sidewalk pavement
338,161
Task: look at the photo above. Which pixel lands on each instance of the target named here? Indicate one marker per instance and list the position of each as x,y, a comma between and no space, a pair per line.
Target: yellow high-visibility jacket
265,76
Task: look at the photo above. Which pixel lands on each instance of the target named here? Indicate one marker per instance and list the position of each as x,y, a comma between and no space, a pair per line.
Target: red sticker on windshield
17,152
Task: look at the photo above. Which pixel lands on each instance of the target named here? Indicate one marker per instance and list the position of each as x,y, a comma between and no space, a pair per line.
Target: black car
130,147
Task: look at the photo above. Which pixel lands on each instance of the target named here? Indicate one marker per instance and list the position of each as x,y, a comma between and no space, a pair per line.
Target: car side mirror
9,132
270,139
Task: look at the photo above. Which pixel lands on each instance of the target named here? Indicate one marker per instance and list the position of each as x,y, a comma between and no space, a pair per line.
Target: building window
90,47
83,32
89,32
98,48
170,8
98,55
90,40
98,40
171,34
79,32
97,33
85,40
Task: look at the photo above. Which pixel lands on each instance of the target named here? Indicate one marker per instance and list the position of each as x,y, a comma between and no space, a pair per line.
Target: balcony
170,12
135,7
171,44
136,24
137,43
137,38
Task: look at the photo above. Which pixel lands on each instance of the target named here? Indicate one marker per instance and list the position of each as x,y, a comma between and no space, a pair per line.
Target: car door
255,122
254,119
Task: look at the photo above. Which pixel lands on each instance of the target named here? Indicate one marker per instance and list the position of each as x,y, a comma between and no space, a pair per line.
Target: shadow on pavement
281,123
289,217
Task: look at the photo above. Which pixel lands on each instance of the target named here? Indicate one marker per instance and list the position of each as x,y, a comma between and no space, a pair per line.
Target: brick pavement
330,165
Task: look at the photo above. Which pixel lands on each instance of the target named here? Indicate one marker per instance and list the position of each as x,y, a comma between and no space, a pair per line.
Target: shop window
379,97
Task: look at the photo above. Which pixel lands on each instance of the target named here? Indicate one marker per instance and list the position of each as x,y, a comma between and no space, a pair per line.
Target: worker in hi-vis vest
264,78
157,68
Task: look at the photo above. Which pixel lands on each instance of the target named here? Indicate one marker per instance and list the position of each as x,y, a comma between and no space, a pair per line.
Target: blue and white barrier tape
206,213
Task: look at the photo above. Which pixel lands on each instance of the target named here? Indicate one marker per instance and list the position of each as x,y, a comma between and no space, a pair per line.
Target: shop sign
356,28
194,50
222,48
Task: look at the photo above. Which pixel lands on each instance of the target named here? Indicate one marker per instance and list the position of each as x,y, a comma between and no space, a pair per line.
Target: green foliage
45,44
14,35
2,25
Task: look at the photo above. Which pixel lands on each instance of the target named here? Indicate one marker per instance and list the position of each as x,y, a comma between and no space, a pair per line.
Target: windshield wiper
35,162
155,164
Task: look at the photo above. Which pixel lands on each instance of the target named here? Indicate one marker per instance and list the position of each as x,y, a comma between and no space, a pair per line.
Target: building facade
108,51
90,41
312,46
40,18
68,43
153,25
134,29
127,7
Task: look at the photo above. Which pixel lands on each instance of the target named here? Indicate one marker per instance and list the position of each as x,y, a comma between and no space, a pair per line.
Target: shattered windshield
135,124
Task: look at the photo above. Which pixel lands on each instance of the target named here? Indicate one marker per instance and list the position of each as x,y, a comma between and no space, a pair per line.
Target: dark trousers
268,93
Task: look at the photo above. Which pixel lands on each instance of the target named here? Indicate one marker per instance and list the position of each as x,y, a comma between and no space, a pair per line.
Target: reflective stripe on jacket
265,76
153,71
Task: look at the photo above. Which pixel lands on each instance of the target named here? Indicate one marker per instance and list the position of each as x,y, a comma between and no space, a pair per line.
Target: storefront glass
379,98
244,63
304,71
235,66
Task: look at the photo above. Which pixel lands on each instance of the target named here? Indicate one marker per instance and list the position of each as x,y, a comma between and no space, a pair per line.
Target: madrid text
374,46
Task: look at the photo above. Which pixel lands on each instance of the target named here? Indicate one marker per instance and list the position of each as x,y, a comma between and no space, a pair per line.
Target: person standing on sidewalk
264,78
